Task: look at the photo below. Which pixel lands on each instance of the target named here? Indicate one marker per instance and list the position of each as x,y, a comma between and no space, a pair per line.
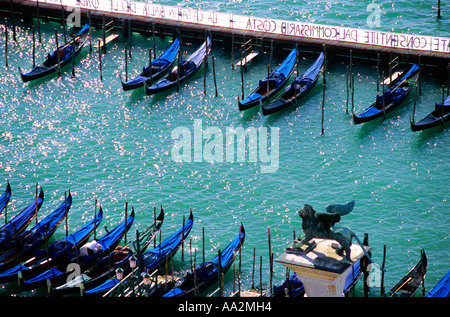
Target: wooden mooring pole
90,34
324,85
232,51
57,53
13,20
38,21
214,73
242,80
126,62
34,47
63,24
103,34
364,264
378,73
383,270
65,209
182,240
414,106
129,37
95,217
36,204
73,55
100,59
270,257
253,268
6,46
203,244
126,215
154,41
204,75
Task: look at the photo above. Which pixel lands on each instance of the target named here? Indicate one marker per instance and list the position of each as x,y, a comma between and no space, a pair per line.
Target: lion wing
341,210
328,220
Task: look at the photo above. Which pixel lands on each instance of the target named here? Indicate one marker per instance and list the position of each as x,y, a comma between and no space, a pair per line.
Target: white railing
290,29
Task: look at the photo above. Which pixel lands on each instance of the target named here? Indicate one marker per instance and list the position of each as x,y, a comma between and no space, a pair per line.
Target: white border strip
296,30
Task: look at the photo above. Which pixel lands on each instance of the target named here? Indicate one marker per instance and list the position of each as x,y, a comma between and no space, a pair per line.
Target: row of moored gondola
162,74
28,256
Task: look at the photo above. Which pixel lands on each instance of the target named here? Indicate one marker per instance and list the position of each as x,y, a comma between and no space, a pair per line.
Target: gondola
392,97
4,198
11,230
297,89
65,51
409,284
156,69
23,246
55,254
438,116
208,272
106,266
184,70
442,288
269,86
85,258
291,287
152,259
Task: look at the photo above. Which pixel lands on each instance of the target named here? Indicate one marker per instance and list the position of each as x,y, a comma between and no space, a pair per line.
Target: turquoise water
88,136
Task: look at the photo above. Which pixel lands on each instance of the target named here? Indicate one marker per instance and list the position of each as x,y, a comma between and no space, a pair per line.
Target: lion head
306,211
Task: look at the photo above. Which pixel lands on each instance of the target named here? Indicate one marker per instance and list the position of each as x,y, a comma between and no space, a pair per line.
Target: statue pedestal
321,269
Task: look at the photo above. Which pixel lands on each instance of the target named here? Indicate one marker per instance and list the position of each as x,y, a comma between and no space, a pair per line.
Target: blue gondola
442,288
410,283
106,266
184,70
58,276
27,241
65,51
208,272
55,254
392,97
156,70
269,86
4,198
11,230
297,89
152,259
437,117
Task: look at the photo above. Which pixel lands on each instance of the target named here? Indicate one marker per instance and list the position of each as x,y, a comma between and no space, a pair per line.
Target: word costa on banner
261,25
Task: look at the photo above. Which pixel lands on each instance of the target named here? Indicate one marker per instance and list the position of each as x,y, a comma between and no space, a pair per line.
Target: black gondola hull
42,70
282,103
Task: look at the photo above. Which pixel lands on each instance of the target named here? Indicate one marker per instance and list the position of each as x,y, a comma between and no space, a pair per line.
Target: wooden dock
193,22
108,28
108,40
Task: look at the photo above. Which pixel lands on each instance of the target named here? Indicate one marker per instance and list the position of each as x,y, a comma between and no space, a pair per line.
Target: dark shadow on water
248,114
424,137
